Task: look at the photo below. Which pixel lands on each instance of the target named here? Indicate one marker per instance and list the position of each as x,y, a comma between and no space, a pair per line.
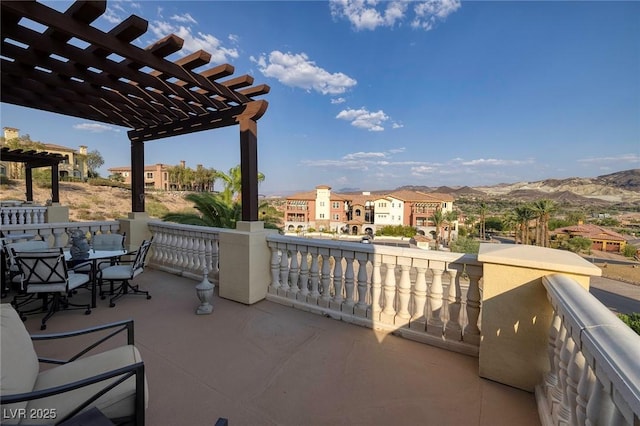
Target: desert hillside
88,202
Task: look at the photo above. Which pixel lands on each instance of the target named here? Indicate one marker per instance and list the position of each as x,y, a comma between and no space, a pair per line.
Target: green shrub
154,208
107,182
465,245
397,231
632,320
629,250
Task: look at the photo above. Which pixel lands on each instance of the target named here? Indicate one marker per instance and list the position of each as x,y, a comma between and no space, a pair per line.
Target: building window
321,215
358,213
382,204
335,205
321,203
149,175
336,217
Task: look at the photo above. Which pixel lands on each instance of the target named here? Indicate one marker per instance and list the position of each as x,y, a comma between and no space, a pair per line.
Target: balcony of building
311,331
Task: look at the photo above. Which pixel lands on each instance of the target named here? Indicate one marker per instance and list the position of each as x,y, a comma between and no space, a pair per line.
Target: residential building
363,213
155,176
74,166
602,239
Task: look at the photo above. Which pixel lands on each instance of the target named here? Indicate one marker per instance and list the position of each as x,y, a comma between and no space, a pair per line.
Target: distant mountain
620,187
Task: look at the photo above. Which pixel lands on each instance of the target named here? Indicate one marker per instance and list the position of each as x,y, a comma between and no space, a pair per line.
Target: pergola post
249,168
55,184
28,178
137,176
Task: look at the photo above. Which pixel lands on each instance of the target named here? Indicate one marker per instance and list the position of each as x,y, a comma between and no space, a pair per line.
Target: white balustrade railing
427,296
23,215
185,250
594,375
56,233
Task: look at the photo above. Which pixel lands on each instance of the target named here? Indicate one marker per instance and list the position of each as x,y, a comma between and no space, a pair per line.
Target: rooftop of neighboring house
153,167
593,232
361,199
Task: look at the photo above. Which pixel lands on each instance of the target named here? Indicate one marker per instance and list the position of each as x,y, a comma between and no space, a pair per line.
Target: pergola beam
144,92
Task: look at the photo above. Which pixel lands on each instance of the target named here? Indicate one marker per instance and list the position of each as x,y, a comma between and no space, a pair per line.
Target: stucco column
137,229
245,259
516,314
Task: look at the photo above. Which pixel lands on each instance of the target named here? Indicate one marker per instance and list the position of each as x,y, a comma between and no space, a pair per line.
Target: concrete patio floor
267,364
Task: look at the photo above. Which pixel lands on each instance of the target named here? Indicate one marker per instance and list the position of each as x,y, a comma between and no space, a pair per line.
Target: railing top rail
376,249
609,346
56,225
197,228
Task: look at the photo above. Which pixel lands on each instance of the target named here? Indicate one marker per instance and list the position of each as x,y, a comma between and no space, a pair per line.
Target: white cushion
18,360
118,402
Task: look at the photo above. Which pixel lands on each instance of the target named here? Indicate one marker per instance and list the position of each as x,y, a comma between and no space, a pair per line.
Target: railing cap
534,257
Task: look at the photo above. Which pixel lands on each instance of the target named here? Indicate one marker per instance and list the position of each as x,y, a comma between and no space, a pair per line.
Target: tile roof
593,232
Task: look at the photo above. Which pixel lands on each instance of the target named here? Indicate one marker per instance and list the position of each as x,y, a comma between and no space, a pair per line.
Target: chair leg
127,288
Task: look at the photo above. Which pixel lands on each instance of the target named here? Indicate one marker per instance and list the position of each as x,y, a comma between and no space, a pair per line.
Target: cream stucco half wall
516,314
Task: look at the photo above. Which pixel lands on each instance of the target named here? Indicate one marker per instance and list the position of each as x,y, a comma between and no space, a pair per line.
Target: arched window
358,212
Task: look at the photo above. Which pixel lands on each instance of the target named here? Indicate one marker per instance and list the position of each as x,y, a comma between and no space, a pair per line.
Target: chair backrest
108,241
42,267
33,245
141,255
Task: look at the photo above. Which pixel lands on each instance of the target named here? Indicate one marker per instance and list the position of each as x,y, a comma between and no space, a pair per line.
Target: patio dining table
94,257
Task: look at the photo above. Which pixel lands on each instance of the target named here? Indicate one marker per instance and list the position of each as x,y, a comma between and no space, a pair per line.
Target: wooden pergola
33,160
75,69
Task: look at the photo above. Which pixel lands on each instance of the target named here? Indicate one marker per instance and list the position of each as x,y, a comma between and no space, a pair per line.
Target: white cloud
336,101
495,162
193,41
428,13
297,70
624,158
364,14
371,14
95,127
362,118
357,155
184,19
397,126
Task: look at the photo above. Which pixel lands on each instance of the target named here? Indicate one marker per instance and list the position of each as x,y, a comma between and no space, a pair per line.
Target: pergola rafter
112,81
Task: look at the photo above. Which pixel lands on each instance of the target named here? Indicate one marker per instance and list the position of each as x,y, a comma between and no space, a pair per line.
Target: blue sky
375,95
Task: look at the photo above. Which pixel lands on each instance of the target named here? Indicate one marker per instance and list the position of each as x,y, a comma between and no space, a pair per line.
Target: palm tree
524,214
438,219
215,212
543,209
450,217
232,182
212,211
483,215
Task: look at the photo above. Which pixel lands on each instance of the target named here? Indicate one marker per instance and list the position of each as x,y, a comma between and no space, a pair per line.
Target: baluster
349,275
214,266
325,280
556,394
563,413
404,292
389,291
58,237
551,377
360,310
599,406
293,275
304,274
27,217
453,329
376,289
13,217
418,321
584,390
338,284
41,215
574,371
434,323
314,279
275,269
199,254
472,331
284,272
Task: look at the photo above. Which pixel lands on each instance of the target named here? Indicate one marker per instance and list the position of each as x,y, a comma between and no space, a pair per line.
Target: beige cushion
18,359
118,402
